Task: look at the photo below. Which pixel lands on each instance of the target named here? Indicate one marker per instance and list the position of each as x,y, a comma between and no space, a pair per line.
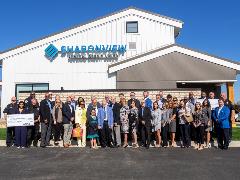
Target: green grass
2,133
236,134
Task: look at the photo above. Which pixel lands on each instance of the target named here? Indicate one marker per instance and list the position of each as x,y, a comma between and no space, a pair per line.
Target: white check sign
20,120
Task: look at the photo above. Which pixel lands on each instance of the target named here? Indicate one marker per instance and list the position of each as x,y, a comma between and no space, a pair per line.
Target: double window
132,27
31,87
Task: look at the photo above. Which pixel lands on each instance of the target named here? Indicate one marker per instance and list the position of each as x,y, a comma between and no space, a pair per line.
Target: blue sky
211,26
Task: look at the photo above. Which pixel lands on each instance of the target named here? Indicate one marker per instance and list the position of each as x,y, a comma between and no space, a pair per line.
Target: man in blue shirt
148,101
105,124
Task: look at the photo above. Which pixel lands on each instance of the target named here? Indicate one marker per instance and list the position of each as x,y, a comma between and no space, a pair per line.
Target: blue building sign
86,51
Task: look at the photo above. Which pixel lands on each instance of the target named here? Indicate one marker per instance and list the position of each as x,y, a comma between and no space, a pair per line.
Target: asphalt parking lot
86,163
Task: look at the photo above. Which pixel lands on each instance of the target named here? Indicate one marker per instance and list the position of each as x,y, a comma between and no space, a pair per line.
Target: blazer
146,116
90,107
100,116
116,113
137,102
67,113
45,111
222,117
148,103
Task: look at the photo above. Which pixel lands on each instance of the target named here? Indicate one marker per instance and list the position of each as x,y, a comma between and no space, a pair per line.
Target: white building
145,35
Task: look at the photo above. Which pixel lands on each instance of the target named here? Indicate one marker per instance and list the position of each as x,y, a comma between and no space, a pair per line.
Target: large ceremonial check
20,120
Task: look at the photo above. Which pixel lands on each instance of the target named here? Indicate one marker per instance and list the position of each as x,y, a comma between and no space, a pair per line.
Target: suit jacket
116,113
222,117
146,116
90,107
148,103
67,113
137,102
100,116
45,111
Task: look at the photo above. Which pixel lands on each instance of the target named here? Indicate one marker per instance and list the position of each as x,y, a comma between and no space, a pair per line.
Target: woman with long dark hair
156,122
21,131
206,109
184,112
198,125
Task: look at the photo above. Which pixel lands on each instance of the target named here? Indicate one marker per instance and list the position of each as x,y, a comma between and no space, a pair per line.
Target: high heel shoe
125,145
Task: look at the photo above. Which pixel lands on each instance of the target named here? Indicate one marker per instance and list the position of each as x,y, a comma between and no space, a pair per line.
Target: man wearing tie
68,118
105,124
46,121
221,117
145,121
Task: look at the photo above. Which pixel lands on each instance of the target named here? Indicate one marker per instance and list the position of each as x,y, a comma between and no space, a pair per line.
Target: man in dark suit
145,122
133,98
68,120
10,109
46,121
116,122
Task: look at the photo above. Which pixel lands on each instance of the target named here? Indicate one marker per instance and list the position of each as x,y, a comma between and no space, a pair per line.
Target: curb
233,144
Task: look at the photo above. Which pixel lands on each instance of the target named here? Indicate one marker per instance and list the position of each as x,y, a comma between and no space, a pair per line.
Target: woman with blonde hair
80,121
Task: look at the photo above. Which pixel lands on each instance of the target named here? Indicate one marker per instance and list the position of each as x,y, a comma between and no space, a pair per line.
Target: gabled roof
170,49
164,19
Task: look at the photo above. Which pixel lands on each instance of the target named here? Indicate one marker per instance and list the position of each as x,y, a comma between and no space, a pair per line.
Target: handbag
77,132
189,118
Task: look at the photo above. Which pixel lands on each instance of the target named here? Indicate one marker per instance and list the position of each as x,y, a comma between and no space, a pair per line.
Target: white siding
32,66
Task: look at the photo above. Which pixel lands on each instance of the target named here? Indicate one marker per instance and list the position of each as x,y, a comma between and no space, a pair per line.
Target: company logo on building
51,51
87,52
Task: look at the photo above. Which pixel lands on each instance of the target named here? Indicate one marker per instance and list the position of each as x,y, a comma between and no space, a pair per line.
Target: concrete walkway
232,144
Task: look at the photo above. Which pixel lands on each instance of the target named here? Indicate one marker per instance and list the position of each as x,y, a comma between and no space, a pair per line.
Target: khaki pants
67,133
82,140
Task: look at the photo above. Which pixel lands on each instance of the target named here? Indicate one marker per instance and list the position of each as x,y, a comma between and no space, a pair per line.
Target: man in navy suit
221,117
145,122
105,124
68,118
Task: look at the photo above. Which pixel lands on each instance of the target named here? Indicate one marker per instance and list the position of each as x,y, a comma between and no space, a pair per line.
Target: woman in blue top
21,131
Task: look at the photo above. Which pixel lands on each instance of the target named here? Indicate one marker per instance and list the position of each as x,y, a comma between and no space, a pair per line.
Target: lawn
2,133
236,134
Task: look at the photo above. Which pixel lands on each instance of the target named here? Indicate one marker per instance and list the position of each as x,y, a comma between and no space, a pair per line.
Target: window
31,87
132,45
132,27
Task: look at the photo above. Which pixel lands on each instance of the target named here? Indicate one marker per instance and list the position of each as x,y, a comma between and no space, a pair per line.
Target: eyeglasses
14,100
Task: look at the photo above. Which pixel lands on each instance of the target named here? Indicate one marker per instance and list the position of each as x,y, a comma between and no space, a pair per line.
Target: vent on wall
132,45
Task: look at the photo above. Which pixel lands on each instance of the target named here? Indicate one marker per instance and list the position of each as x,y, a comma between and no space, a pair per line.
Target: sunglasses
14,100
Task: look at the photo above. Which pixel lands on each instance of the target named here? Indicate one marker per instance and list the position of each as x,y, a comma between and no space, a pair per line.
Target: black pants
230,129
32,135
106,135
146,135
10,139
223,138
185,137
200,134
165,135
58,131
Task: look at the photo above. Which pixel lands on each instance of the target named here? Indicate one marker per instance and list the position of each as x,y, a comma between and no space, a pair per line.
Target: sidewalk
232,144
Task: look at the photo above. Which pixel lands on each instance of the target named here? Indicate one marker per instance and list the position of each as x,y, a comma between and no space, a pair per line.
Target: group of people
146,123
